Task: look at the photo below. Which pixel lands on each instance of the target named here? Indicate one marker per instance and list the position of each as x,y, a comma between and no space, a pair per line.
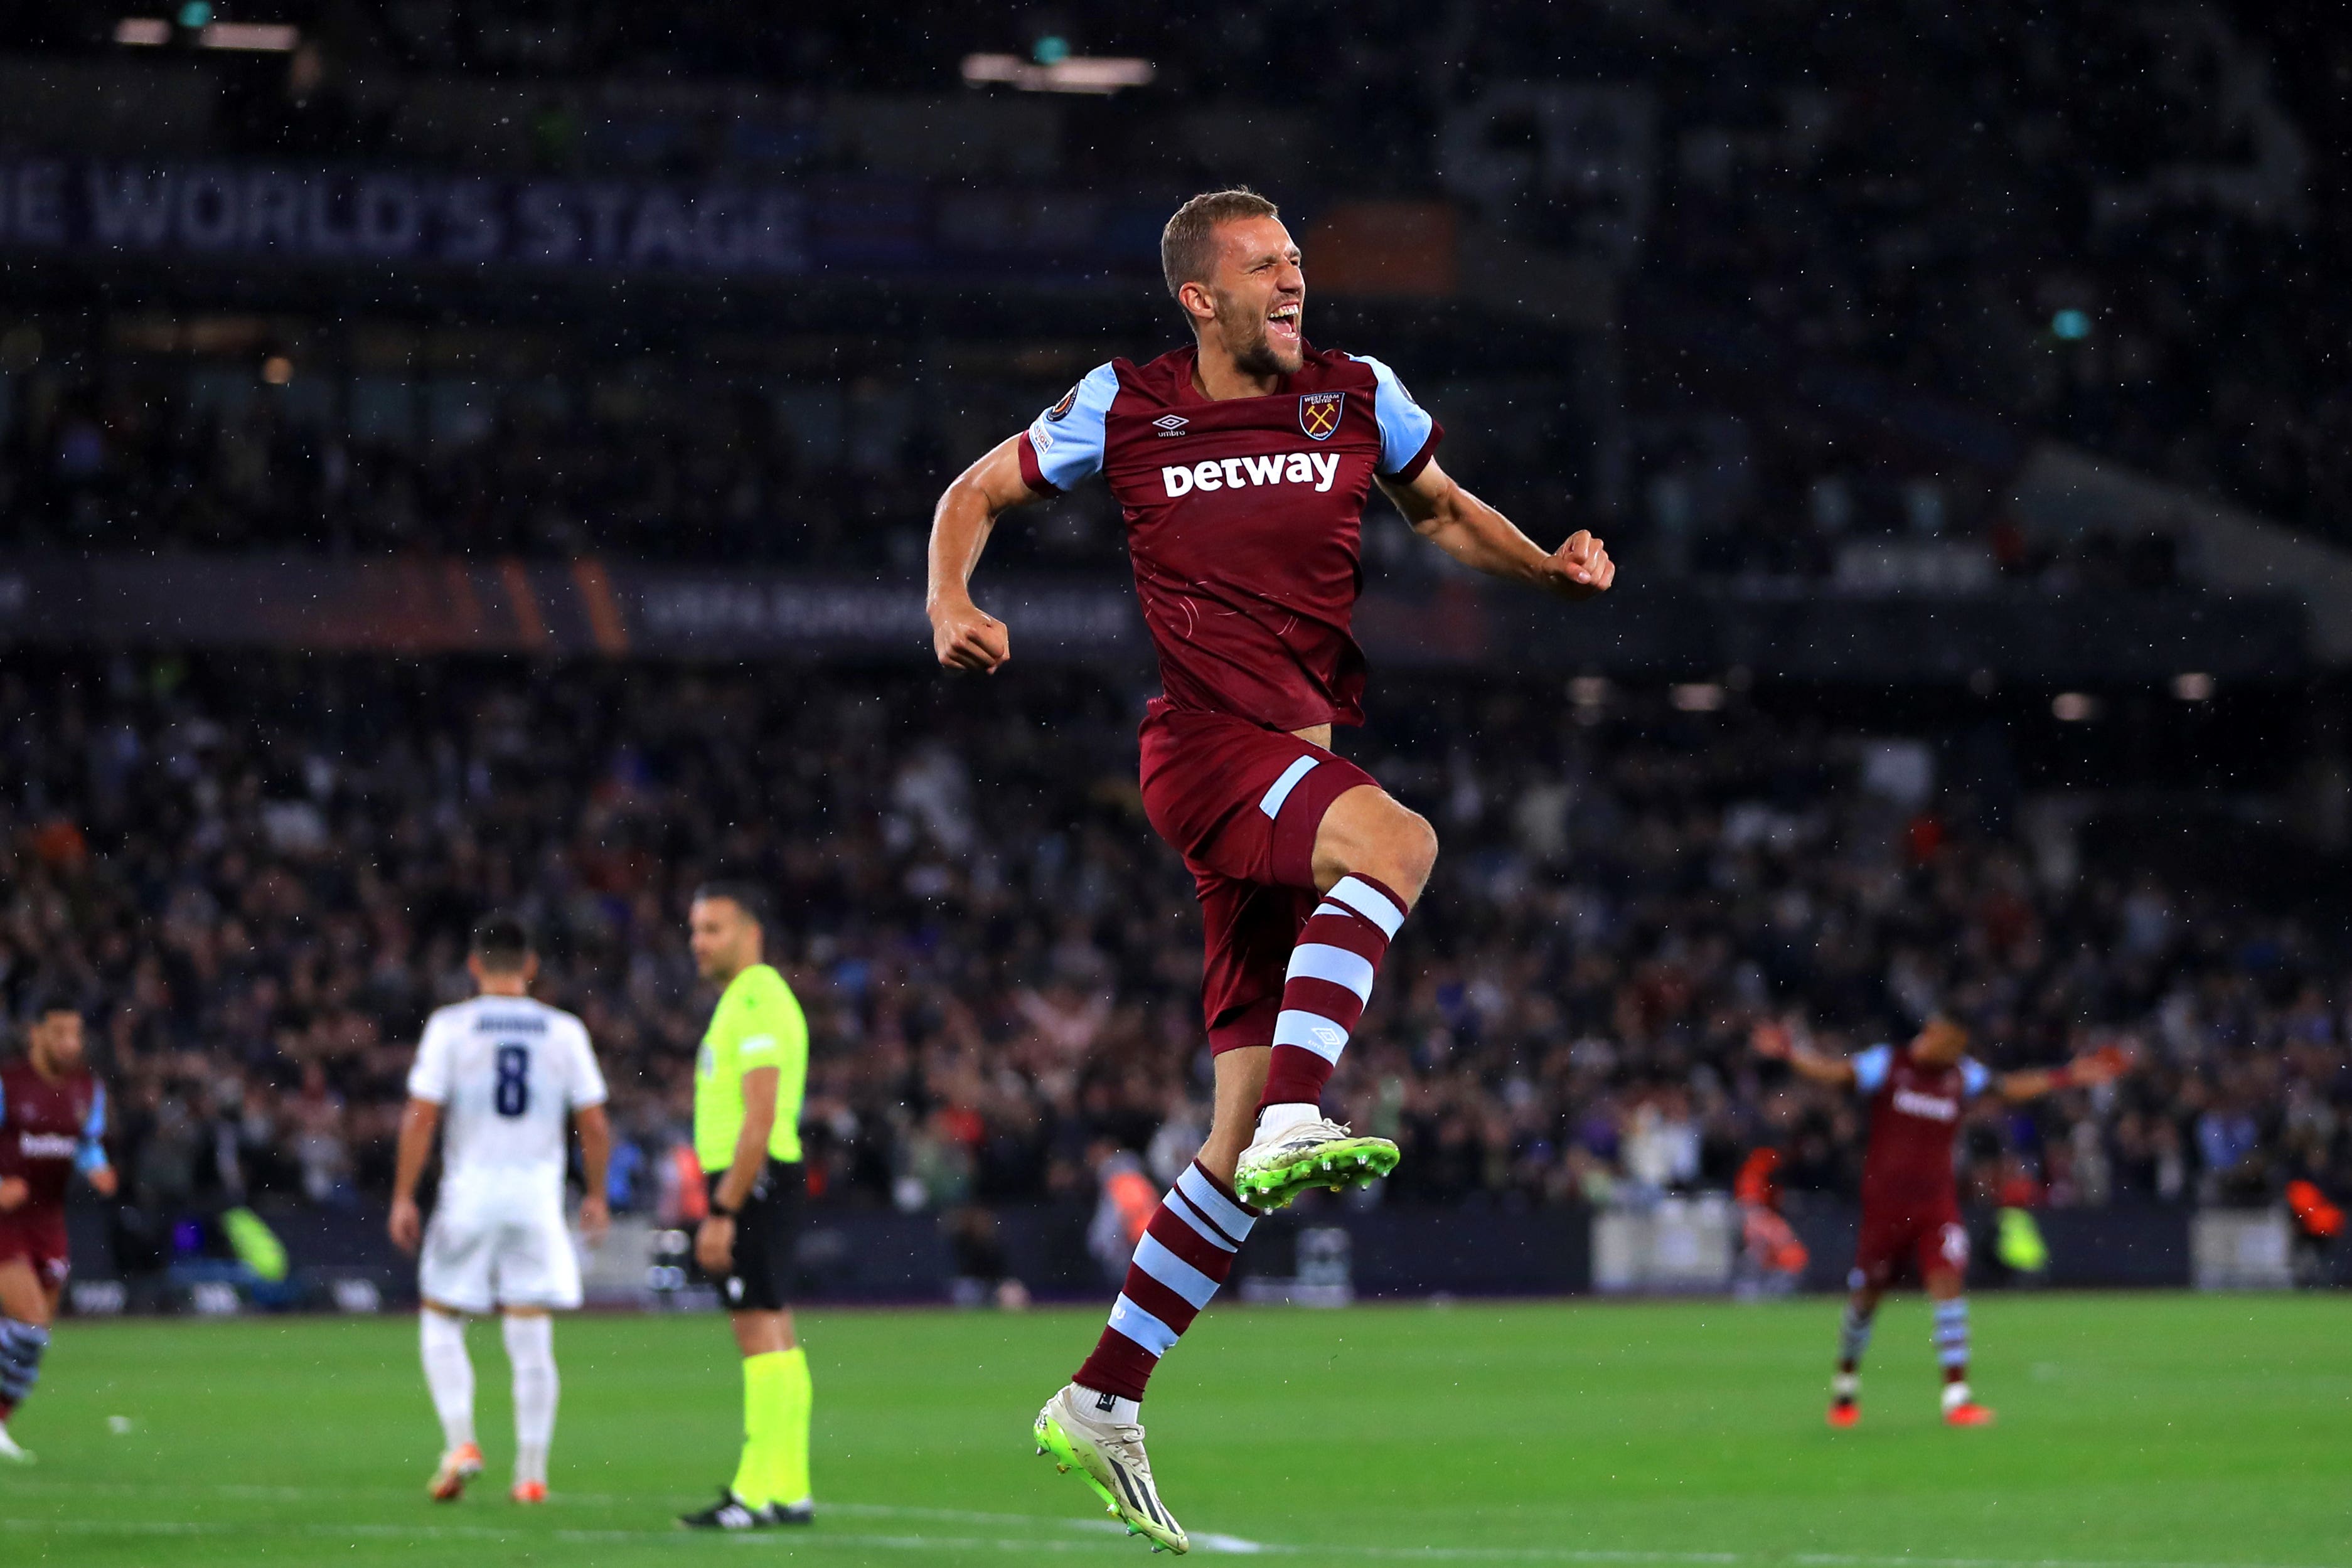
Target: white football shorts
498,1250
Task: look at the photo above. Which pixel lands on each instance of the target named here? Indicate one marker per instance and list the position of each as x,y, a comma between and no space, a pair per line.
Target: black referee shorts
767,1230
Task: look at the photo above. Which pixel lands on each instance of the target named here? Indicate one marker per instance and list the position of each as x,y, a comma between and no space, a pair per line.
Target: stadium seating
257,874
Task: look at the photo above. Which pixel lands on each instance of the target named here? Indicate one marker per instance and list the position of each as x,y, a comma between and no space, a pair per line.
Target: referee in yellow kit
748,1082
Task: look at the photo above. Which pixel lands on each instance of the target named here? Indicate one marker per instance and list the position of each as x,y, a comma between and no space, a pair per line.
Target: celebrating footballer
1242,465
1910,1192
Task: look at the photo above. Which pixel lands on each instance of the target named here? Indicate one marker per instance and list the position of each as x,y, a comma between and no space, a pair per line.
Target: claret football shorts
36,1233
1906,1242
1242,805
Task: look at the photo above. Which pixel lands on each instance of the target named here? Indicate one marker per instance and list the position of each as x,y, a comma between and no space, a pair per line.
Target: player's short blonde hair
1187,246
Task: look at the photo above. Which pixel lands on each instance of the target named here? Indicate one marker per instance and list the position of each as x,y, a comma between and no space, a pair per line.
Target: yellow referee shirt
757,1023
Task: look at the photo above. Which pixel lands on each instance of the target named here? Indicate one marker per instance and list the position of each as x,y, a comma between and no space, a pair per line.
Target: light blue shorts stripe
1272,802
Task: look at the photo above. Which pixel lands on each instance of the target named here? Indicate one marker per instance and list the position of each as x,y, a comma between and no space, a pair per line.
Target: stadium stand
259,875
2114,223
1791,336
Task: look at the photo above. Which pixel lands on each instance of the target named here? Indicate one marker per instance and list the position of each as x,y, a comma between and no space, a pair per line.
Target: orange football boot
1845,1413
1968,1413
458,1466
529,1492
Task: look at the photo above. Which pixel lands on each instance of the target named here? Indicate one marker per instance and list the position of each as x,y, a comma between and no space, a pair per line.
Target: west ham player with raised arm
52,1124
1242,465
1910,1188
500,1076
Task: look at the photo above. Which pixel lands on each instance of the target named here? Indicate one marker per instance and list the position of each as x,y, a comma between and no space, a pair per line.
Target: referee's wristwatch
717,1212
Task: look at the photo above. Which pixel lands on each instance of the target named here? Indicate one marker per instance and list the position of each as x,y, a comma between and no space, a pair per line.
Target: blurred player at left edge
52,1124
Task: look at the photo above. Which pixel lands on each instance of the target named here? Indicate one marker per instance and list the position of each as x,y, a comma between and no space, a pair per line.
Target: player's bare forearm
1777,1041
1835,1071
2088,1071
2017,1088
418,1123
751,1142
1482,538
964,636
595,1160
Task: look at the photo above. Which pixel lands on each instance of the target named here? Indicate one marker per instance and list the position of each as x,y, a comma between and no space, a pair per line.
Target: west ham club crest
1318,413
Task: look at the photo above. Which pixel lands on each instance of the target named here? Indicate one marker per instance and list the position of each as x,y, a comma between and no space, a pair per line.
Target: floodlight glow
1098,76
2074,707
2193,685
1697,697
266,37
146,32
2071,325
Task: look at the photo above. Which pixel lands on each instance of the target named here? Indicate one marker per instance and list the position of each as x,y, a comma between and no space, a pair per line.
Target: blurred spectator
1006,1021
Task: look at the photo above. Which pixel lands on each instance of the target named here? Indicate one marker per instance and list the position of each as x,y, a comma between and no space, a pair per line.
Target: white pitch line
1206,1541
929,1543
247,1492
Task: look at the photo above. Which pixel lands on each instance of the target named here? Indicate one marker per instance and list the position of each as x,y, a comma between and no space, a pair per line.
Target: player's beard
1253,350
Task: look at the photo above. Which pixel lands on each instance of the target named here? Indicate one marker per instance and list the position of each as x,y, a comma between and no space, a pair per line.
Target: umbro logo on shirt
1172,424
1320,469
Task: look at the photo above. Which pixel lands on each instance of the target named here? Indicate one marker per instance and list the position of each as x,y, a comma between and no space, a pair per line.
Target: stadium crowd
674,464
2114,223
257,876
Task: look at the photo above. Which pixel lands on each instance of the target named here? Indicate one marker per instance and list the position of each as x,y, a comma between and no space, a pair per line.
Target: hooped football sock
1854,1339
1187,1251
1330,980
448,1374
531,1348
763,1408
22,1345
788,1455
1952,1342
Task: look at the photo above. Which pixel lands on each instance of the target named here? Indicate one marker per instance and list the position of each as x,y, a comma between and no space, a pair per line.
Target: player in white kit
501,1076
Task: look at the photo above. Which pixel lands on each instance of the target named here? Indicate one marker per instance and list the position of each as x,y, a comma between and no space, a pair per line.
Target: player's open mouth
1282,323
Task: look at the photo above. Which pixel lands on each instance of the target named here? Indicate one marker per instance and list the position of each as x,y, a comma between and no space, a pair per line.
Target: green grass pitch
2135,1431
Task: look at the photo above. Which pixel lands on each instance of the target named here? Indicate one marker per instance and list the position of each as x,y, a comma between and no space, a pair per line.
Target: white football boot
1109,1455
1315,1152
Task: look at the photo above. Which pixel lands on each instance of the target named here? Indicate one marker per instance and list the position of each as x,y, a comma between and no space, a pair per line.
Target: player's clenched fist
1581,566
967,637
